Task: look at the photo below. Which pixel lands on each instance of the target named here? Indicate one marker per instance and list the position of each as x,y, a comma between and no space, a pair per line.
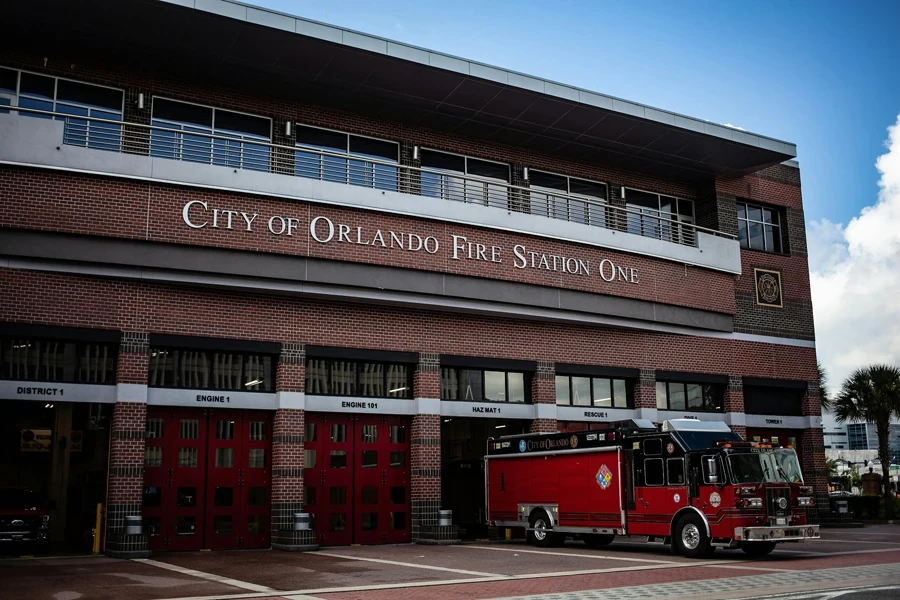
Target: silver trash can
301,521
133,526
445,518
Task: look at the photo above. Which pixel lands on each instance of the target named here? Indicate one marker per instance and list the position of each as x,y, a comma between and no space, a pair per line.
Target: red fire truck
694,485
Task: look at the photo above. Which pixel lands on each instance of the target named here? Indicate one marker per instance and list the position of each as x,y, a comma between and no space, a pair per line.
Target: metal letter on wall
768,288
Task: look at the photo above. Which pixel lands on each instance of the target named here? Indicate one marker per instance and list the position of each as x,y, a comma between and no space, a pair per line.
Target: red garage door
357,478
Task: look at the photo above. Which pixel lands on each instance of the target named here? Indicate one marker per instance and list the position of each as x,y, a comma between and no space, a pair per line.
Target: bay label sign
200,214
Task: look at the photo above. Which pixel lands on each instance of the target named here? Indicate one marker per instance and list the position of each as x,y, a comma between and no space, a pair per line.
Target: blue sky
820,74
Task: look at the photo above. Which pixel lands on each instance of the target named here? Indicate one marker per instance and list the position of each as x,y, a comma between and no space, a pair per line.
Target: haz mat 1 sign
35,440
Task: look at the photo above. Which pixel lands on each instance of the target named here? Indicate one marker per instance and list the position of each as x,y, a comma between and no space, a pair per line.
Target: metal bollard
133,526
301,521
445,518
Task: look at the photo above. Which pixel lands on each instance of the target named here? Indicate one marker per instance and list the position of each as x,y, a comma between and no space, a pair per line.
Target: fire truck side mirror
712,471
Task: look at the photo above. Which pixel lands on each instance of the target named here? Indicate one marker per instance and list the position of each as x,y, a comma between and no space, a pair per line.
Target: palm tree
823,387
872,395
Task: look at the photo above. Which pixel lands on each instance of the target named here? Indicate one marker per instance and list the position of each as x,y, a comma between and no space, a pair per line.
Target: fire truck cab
694,485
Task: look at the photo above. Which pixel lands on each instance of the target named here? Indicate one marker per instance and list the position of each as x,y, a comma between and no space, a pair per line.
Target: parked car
24,523
840,494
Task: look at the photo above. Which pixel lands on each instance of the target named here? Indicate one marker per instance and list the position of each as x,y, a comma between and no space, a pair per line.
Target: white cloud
855,277
733,126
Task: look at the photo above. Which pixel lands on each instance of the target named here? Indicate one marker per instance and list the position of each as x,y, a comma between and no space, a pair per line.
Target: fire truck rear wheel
597,540
757,549
541,533
690,537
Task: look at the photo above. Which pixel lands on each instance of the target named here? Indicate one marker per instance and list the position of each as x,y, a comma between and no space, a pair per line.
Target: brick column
410,181
136,139
283,159
812,450
425,459
287,452
126,454
734,403
645,395
543,393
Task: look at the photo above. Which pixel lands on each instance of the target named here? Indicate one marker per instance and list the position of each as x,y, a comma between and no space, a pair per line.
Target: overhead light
500,427
48,405
254,382
141,101
415,153
447,420
525,173
395,390
287,129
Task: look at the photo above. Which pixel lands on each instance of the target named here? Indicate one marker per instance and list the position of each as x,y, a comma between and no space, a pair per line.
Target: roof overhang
235,45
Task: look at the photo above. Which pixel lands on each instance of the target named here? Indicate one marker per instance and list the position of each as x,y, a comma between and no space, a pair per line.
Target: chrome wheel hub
540,529
690,536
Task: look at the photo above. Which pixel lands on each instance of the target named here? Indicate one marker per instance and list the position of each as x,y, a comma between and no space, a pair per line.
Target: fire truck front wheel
757,549
541,533
690,537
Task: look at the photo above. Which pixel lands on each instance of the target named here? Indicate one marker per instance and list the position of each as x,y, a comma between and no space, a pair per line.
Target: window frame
79,354
348,156
214,109
629,391
469,183
329,361
526,376
662,462
745,221
273,367
720,390
347,134
577,197
683,470
56,78
676,219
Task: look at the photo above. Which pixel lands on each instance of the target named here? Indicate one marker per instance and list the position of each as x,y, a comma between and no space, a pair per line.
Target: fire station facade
254,266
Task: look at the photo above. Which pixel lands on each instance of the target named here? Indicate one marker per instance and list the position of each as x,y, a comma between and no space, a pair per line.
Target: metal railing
195,145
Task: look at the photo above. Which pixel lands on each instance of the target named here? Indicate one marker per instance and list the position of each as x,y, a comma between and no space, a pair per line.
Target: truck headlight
749,502
45,521
806,501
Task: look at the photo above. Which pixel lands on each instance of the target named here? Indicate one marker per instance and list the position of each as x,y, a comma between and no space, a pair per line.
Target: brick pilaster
812,448
645,390
734,402
543,391
409,180
283,158
288,432
425,458
126,454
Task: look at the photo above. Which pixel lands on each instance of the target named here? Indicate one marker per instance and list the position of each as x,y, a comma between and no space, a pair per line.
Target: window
547,199
338,377
328,167
486,183
55,94
594,391
675,471
653,471
659,216
764,400
238,151
211,370
57,360
759,228
695,397
476,385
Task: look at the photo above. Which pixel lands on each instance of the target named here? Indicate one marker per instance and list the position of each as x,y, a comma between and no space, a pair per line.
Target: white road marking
854,533
406,564
244,585
579,555
837,541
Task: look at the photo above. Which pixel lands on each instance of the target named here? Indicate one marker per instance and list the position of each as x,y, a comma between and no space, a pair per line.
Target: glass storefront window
694,397
338,377
600,392
212,370
57,360
475,385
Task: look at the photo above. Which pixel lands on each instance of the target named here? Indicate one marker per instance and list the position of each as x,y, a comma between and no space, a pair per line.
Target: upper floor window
659,216
477,385
55,94
593,391
340,377
767,400
237,151
486,184
700,397
545,199
211,370
55,360
327,167
759,228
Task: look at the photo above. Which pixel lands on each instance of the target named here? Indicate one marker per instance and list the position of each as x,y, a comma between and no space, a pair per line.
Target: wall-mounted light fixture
287,129
141,101
415,153
525,173
622,190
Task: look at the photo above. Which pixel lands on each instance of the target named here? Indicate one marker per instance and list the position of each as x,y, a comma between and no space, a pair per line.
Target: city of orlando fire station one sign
198,214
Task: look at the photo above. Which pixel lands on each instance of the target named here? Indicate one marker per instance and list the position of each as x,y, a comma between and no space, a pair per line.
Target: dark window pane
151,525
773,238
398,521
189,429
90,95
643,199
398,495
225,457
247,124
185,525
443,161
337,495
398,434
713,397
182,112
316,376
321,138
309,459
369,459
742,211
754,213
256,458
224,430
548,180
310,493
371,379
343,378
370,494
470,385
369,521
152,496
8,79
676,396
256,524
742,234
653,447
653,472
224,496
562,390
398,459
483,168
685,208
310,433
153,456
337,522
338,459
187,457
361,146
667,206
756,236
222,525
186,496
36,85
582,187
675,471
338,433
769,216
258,496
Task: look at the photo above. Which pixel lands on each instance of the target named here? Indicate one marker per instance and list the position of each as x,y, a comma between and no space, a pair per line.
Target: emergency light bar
694,425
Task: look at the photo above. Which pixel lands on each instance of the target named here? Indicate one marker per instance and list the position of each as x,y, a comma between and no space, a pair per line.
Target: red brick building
254,266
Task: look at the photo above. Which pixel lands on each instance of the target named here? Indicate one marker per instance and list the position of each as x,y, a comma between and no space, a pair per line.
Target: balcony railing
195,145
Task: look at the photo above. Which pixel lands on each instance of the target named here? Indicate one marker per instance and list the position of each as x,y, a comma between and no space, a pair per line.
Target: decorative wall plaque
768,288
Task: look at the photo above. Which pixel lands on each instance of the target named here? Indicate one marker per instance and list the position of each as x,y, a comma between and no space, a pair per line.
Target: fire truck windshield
766,466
